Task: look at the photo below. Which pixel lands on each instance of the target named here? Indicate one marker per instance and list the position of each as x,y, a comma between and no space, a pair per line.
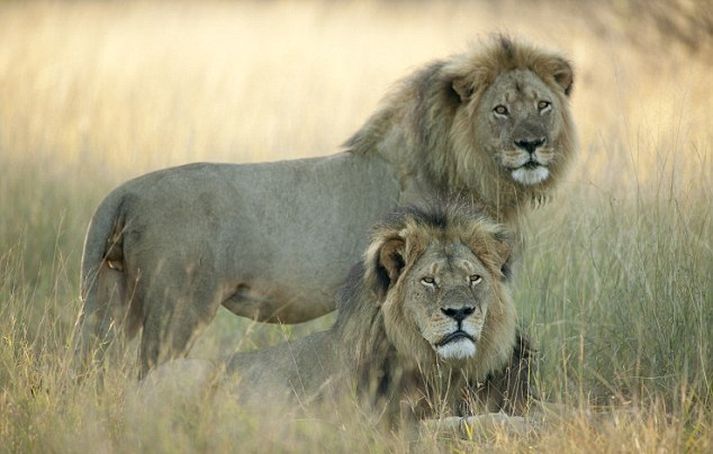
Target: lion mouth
454,336
530,165
530,173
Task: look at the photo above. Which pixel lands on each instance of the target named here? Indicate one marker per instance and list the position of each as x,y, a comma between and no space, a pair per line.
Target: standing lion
273,241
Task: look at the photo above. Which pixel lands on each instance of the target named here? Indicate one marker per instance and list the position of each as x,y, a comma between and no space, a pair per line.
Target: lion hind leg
167,337
174,321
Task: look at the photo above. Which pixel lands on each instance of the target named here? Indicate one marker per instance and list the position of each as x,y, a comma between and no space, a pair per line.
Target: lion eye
475,279
543,105
428,281
500,110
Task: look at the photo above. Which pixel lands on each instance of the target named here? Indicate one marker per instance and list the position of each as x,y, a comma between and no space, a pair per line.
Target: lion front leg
495,422
470,427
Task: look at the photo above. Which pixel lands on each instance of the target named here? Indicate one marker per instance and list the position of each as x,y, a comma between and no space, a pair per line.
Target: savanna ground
616,284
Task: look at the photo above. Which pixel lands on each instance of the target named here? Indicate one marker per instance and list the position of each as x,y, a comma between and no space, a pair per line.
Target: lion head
514,99
493,123
438,290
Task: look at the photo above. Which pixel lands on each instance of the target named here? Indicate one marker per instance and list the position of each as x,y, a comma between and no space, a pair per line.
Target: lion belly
275,240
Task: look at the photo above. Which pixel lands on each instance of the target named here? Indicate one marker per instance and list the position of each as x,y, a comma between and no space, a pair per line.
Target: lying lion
273,241
426,326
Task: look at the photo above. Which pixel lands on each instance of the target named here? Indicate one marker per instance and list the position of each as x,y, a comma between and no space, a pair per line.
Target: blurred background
615,284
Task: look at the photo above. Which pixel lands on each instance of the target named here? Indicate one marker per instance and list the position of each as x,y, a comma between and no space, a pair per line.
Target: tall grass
614,285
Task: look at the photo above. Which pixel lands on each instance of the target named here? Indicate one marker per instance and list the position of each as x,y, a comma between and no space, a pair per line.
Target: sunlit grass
615,282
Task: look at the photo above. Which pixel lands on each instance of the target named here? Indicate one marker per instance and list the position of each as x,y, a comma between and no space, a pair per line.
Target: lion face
446,294
443,294
520,122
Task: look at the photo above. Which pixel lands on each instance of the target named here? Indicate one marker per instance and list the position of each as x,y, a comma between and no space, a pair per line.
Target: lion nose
530,145
458,314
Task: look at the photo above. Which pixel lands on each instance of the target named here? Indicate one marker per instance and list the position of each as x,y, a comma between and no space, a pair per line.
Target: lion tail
102,281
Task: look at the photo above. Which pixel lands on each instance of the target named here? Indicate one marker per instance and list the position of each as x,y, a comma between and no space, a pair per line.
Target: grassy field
616,284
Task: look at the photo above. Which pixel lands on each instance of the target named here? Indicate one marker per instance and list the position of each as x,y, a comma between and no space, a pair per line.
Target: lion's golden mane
388,369
424,125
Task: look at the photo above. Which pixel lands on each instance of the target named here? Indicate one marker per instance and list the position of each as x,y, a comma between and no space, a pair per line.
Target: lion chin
530,175
461,348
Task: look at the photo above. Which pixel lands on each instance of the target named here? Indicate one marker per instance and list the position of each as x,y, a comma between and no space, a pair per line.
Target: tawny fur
374,347
426,129
273,241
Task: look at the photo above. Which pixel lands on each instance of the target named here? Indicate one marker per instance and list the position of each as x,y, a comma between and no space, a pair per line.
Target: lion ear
386,262
463,86
563,74
495,252
502,255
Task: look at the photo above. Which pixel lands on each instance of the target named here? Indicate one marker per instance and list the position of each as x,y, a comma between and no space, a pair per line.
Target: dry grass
615,285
